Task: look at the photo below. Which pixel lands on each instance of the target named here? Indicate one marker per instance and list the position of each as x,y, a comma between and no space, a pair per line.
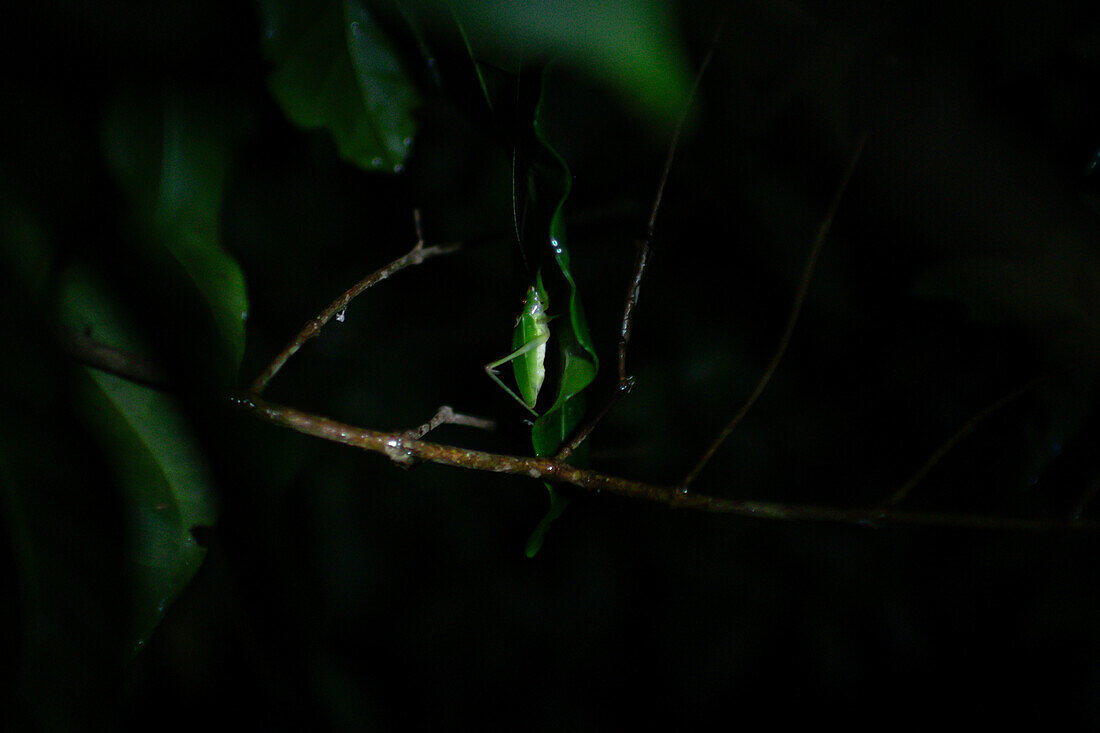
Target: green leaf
579,360
335,68
154,459
558,503
171,152
64,561
548,183
629,45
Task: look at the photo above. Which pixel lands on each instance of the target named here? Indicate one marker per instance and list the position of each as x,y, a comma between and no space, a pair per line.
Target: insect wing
532,327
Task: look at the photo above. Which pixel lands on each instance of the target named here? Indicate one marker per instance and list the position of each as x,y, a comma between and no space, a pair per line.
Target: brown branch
406,450
415,256
792,319
401,449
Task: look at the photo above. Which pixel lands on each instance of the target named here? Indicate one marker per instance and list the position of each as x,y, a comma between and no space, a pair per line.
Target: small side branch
792,319
446,415
1084,500
415,256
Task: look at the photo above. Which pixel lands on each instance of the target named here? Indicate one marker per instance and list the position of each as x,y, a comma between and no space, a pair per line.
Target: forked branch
419,253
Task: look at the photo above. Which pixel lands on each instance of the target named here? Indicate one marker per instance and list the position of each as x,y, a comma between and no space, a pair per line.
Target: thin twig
415,256
646,244
582,434
641,260
398,447
792,319
898,496
1085,499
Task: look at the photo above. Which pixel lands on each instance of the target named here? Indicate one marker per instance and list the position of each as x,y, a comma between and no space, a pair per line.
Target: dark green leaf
335,68
153,455
558,503
171,153
579,360
630,46
548,182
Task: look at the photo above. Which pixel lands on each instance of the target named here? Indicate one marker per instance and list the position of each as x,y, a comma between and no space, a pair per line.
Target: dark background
342,592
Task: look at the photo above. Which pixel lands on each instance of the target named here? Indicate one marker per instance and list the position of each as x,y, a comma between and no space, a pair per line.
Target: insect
529,340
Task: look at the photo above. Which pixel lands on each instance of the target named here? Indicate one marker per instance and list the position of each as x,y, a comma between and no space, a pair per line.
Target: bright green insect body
529,341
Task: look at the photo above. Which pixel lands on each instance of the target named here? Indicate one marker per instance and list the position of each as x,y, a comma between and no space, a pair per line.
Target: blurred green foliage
171,153
334,67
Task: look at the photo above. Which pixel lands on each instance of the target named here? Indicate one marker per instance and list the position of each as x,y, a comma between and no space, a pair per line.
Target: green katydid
529,339
540,186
